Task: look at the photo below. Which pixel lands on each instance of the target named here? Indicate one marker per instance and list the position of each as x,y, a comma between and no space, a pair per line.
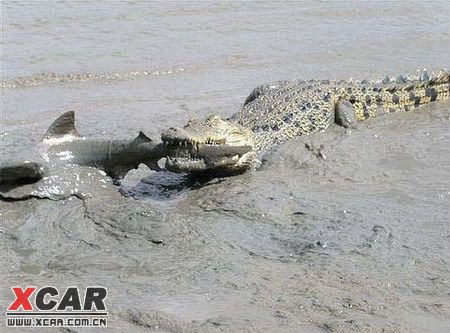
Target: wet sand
354,239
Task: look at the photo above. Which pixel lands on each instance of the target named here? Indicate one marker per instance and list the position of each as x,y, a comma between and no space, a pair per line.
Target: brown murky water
357,241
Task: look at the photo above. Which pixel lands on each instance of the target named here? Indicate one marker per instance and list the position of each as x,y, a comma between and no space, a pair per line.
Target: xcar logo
47,307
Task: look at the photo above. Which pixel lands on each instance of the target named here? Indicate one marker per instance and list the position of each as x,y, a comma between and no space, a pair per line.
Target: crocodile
274,113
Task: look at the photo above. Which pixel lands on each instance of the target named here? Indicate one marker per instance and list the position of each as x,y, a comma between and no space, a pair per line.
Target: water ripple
52,78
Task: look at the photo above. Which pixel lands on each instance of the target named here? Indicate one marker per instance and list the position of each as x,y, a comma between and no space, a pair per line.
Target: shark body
63,147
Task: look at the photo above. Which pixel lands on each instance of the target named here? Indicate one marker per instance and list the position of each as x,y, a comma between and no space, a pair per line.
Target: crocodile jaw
225,165
213,145
199,157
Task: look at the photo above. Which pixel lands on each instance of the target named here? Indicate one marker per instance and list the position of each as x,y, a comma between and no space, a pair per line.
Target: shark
64,150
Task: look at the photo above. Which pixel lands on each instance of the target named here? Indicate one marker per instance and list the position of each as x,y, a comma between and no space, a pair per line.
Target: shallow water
356,242
200,58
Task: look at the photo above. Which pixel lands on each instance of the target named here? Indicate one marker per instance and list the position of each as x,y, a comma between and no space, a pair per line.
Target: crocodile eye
213,118
192,121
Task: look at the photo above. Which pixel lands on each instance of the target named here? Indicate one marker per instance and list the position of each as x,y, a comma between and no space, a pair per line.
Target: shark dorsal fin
141,138
63,126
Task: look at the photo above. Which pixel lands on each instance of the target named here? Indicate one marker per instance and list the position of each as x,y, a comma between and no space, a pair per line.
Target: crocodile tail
375,99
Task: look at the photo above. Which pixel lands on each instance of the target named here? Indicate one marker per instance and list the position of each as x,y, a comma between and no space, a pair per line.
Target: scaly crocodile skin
285,110
275,113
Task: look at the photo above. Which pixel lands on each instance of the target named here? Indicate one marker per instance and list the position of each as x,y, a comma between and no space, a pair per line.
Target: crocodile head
214,144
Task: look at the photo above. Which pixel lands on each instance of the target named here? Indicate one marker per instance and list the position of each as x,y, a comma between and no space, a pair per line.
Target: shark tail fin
63,126
17,174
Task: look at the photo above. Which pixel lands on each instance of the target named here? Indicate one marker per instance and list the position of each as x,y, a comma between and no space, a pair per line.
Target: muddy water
354,242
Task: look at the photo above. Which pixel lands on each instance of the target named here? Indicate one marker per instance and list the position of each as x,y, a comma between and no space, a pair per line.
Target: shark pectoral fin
117,173
344,114
62,127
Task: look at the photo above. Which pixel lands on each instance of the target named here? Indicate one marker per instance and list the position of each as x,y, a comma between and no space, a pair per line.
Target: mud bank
354,238
343,231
